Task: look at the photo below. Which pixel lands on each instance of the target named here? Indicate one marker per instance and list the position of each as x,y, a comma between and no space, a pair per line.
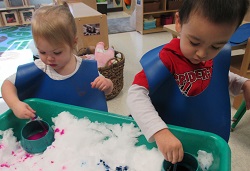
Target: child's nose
201,53
49,57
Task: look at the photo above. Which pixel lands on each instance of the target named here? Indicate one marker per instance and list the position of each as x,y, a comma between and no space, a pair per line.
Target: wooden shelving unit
240,64
166,7
16,15
91,3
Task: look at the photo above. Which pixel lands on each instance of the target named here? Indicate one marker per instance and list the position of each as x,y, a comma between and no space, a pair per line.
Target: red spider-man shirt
192,79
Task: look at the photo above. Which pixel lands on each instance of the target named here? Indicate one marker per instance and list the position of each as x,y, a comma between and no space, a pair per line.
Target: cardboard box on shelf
151,6
158,21
174,5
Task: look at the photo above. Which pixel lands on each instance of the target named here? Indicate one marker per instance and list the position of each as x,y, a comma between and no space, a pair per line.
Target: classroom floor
133,45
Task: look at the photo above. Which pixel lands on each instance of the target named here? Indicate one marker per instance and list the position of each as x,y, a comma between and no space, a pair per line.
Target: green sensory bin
192,140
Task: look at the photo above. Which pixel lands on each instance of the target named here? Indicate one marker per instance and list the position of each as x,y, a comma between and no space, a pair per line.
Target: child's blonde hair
55,24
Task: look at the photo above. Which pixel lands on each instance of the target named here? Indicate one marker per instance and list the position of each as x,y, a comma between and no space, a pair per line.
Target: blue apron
208,111
31,82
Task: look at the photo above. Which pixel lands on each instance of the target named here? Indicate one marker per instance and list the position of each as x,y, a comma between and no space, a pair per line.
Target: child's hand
246,93
23,110
103,84
169,145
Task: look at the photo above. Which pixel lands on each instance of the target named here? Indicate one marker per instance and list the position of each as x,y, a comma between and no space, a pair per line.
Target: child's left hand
246,93
103,84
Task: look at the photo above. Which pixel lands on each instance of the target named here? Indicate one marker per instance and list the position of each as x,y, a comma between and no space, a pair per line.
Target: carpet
14,38
119,25
14,42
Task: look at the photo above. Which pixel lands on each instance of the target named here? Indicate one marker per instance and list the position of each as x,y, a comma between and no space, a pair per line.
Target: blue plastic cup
189,163
36,136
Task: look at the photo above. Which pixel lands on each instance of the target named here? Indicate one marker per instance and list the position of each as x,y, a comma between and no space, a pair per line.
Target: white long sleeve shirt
147,117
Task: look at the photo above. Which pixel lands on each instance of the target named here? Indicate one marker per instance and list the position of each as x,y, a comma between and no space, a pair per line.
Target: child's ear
177,22
75,45
75,41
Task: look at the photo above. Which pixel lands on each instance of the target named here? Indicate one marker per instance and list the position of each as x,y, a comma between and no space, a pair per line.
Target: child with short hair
59,75
195,83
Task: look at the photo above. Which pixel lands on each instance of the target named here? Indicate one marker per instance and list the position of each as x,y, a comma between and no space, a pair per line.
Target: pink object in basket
102,56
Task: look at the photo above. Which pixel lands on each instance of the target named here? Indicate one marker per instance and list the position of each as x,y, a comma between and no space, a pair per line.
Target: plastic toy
102,56
127,2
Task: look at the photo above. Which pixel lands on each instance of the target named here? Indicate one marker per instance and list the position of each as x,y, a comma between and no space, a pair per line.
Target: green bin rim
179,132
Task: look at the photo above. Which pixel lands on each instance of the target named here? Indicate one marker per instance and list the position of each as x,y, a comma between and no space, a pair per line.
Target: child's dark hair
216,11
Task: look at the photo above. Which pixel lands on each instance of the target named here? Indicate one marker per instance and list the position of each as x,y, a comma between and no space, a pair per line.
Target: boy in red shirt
205,26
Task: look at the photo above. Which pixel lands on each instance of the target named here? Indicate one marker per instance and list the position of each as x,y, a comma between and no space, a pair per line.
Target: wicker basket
115,73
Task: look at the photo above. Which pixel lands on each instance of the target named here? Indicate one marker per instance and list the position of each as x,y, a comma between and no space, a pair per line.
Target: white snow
82,145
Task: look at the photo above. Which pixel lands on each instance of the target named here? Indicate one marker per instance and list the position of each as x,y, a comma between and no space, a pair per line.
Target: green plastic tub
192,140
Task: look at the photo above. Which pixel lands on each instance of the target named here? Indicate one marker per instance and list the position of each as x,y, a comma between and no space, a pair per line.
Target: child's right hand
169,145
23,110
103,84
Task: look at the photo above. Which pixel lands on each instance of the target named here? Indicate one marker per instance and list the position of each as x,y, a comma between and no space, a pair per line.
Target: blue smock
31,82
208,111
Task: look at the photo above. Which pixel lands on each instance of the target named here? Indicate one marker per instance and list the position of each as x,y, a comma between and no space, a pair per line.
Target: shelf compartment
156,12
10,18
174,5
151,6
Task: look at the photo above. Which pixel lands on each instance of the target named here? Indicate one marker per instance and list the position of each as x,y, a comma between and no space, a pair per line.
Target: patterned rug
14,38
14,41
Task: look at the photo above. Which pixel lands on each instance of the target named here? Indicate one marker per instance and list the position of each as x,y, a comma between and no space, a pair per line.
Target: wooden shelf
154,30
240,64
16,8
159,12
140,15
16,15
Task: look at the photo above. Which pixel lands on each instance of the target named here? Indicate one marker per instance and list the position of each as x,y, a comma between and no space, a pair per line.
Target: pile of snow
205,159
82,145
